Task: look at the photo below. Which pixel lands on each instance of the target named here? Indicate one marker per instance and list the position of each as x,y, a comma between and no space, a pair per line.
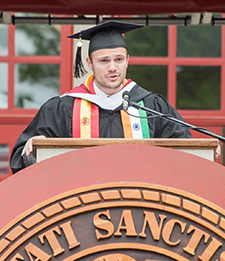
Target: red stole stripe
93,122
76,118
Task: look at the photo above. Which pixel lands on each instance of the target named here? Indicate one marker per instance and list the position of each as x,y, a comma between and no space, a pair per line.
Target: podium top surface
169,143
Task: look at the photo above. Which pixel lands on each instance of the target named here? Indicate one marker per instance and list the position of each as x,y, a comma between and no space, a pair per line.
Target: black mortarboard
103,36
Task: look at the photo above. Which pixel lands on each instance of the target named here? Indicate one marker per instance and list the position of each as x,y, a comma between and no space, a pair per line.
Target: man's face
109,67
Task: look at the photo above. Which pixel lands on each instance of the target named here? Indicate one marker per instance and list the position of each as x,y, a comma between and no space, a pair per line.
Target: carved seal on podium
117,221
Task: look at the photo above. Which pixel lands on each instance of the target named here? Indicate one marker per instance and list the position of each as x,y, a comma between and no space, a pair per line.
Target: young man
94,109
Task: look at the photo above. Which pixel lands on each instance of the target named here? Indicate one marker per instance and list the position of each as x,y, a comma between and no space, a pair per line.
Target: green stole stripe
144,122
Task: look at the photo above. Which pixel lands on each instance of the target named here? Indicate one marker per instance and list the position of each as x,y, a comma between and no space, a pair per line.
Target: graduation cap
107,35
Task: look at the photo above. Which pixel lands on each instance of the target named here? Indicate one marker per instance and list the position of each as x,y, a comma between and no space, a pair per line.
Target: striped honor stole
85,123
135,126
85,115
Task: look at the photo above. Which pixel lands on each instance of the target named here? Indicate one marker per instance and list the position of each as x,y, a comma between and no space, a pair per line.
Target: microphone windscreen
126,93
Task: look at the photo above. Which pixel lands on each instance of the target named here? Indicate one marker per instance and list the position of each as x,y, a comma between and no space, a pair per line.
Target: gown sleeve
52,120
163,128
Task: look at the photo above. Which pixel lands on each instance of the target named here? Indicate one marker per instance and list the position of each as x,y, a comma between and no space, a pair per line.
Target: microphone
126,100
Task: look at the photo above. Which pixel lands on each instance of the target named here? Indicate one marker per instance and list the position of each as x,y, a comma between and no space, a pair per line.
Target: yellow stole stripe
85,116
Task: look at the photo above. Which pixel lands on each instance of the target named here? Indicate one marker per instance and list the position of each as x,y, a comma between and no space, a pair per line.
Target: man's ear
128,57
89,63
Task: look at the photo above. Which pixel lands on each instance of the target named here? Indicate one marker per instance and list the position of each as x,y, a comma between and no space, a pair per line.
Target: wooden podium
126,200
49,147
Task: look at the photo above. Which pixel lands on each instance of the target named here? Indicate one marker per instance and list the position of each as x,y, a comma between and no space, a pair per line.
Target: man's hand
217,152
29,145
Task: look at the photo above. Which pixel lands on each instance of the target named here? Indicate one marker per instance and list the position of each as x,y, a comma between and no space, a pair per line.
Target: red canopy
113,7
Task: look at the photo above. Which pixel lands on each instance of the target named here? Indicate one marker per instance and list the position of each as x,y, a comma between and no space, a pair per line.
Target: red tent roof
113,7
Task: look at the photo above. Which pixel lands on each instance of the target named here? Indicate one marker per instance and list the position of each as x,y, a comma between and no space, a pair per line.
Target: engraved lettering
127,219
210,250
103,224
69,234
33,250
168,229
222,256
17,257
155,228
52,240
164,230
195,239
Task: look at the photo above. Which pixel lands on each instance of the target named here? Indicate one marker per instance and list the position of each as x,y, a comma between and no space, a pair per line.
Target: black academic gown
54,119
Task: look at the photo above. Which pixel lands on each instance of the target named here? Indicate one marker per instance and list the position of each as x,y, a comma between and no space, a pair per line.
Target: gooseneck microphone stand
170,118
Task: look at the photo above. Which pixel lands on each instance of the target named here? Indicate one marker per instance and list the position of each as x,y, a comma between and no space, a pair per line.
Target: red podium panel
101,203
